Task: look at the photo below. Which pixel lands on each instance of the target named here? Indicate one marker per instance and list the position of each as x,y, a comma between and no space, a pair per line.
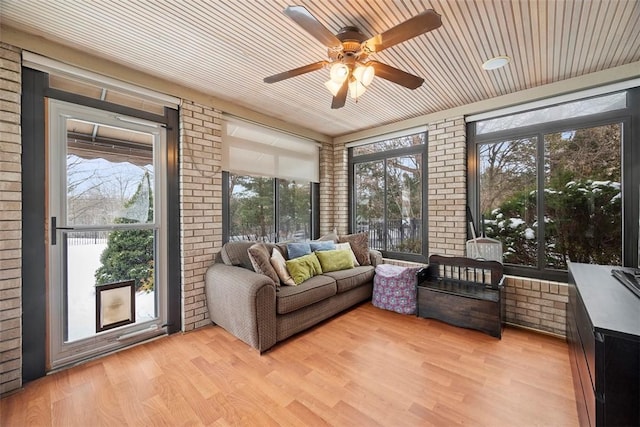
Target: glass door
106,236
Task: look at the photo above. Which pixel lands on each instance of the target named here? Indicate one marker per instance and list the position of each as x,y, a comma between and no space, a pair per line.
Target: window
388,195
268,209
270,184
555,191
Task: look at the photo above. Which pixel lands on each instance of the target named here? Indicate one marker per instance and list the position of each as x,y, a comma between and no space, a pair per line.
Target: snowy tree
130,253
582,197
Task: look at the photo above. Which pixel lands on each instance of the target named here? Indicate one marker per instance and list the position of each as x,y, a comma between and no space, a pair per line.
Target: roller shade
252,149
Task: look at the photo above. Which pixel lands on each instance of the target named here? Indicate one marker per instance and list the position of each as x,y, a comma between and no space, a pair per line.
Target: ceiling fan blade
395,75
310,24
295,72
341,97
419,24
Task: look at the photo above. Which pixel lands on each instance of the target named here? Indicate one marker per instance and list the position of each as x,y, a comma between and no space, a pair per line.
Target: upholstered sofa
260,310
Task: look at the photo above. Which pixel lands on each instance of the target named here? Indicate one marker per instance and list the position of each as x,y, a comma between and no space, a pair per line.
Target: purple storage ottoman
394,288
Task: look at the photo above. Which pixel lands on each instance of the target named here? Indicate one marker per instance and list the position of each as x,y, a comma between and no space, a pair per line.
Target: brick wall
537,304
340,189
10,221
200,205
447,187
326,188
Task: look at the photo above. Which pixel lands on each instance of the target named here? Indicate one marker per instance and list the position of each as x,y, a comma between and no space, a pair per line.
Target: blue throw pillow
322,246
296,250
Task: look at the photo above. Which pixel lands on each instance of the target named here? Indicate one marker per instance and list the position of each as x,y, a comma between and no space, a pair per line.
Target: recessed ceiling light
497,62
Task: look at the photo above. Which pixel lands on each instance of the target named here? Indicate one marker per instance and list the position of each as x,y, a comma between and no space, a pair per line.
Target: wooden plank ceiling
225,49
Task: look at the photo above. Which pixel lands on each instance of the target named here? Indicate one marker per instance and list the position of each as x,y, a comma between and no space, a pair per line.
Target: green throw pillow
303,268
339,259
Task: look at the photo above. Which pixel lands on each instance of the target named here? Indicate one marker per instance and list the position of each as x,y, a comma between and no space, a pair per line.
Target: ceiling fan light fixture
364,74
356,89
339,72
334,87
495,63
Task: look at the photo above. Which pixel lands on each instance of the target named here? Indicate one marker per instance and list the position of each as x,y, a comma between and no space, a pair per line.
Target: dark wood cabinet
603,332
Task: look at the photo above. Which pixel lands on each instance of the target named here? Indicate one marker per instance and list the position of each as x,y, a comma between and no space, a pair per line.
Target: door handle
55,228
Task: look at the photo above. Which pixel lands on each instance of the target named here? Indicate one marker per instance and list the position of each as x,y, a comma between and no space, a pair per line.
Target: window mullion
540,208
384,213
276,206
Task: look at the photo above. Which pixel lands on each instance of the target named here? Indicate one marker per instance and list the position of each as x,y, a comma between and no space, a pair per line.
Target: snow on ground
83,261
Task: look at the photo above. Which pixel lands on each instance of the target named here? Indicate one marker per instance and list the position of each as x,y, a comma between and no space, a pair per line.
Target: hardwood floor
366,367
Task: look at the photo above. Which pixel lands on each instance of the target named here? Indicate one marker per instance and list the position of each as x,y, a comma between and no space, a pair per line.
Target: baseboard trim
539,331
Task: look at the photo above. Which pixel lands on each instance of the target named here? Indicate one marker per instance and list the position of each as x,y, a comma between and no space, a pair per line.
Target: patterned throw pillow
359,245
260,260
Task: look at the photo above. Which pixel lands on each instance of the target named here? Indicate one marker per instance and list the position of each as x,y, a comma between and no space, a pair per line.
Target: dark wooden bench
464,292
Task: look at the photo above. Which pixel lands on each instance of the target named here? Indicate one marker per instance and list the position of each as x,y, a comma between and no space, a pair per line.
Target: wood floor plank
132,408
305,415
365,367
38,410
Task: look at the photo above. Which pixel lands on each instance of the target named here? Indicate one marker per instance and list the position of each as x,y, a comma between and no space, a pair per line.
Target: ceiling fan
350,68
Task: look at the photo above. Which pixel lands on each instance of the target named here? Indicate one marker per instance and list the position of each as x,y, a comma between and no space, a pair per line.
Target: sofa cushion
360,246
315,289
352,278
260,257
303,268
335,260
237,253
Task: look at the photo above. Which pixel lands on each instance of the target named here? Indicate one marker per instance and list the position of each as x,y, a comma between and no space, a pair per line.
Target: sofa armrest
375,256
242,302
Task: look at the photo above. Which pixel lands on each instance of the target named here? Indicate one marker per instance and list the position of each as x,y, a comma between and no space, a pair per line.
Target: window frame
629,117
314,215
422,150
